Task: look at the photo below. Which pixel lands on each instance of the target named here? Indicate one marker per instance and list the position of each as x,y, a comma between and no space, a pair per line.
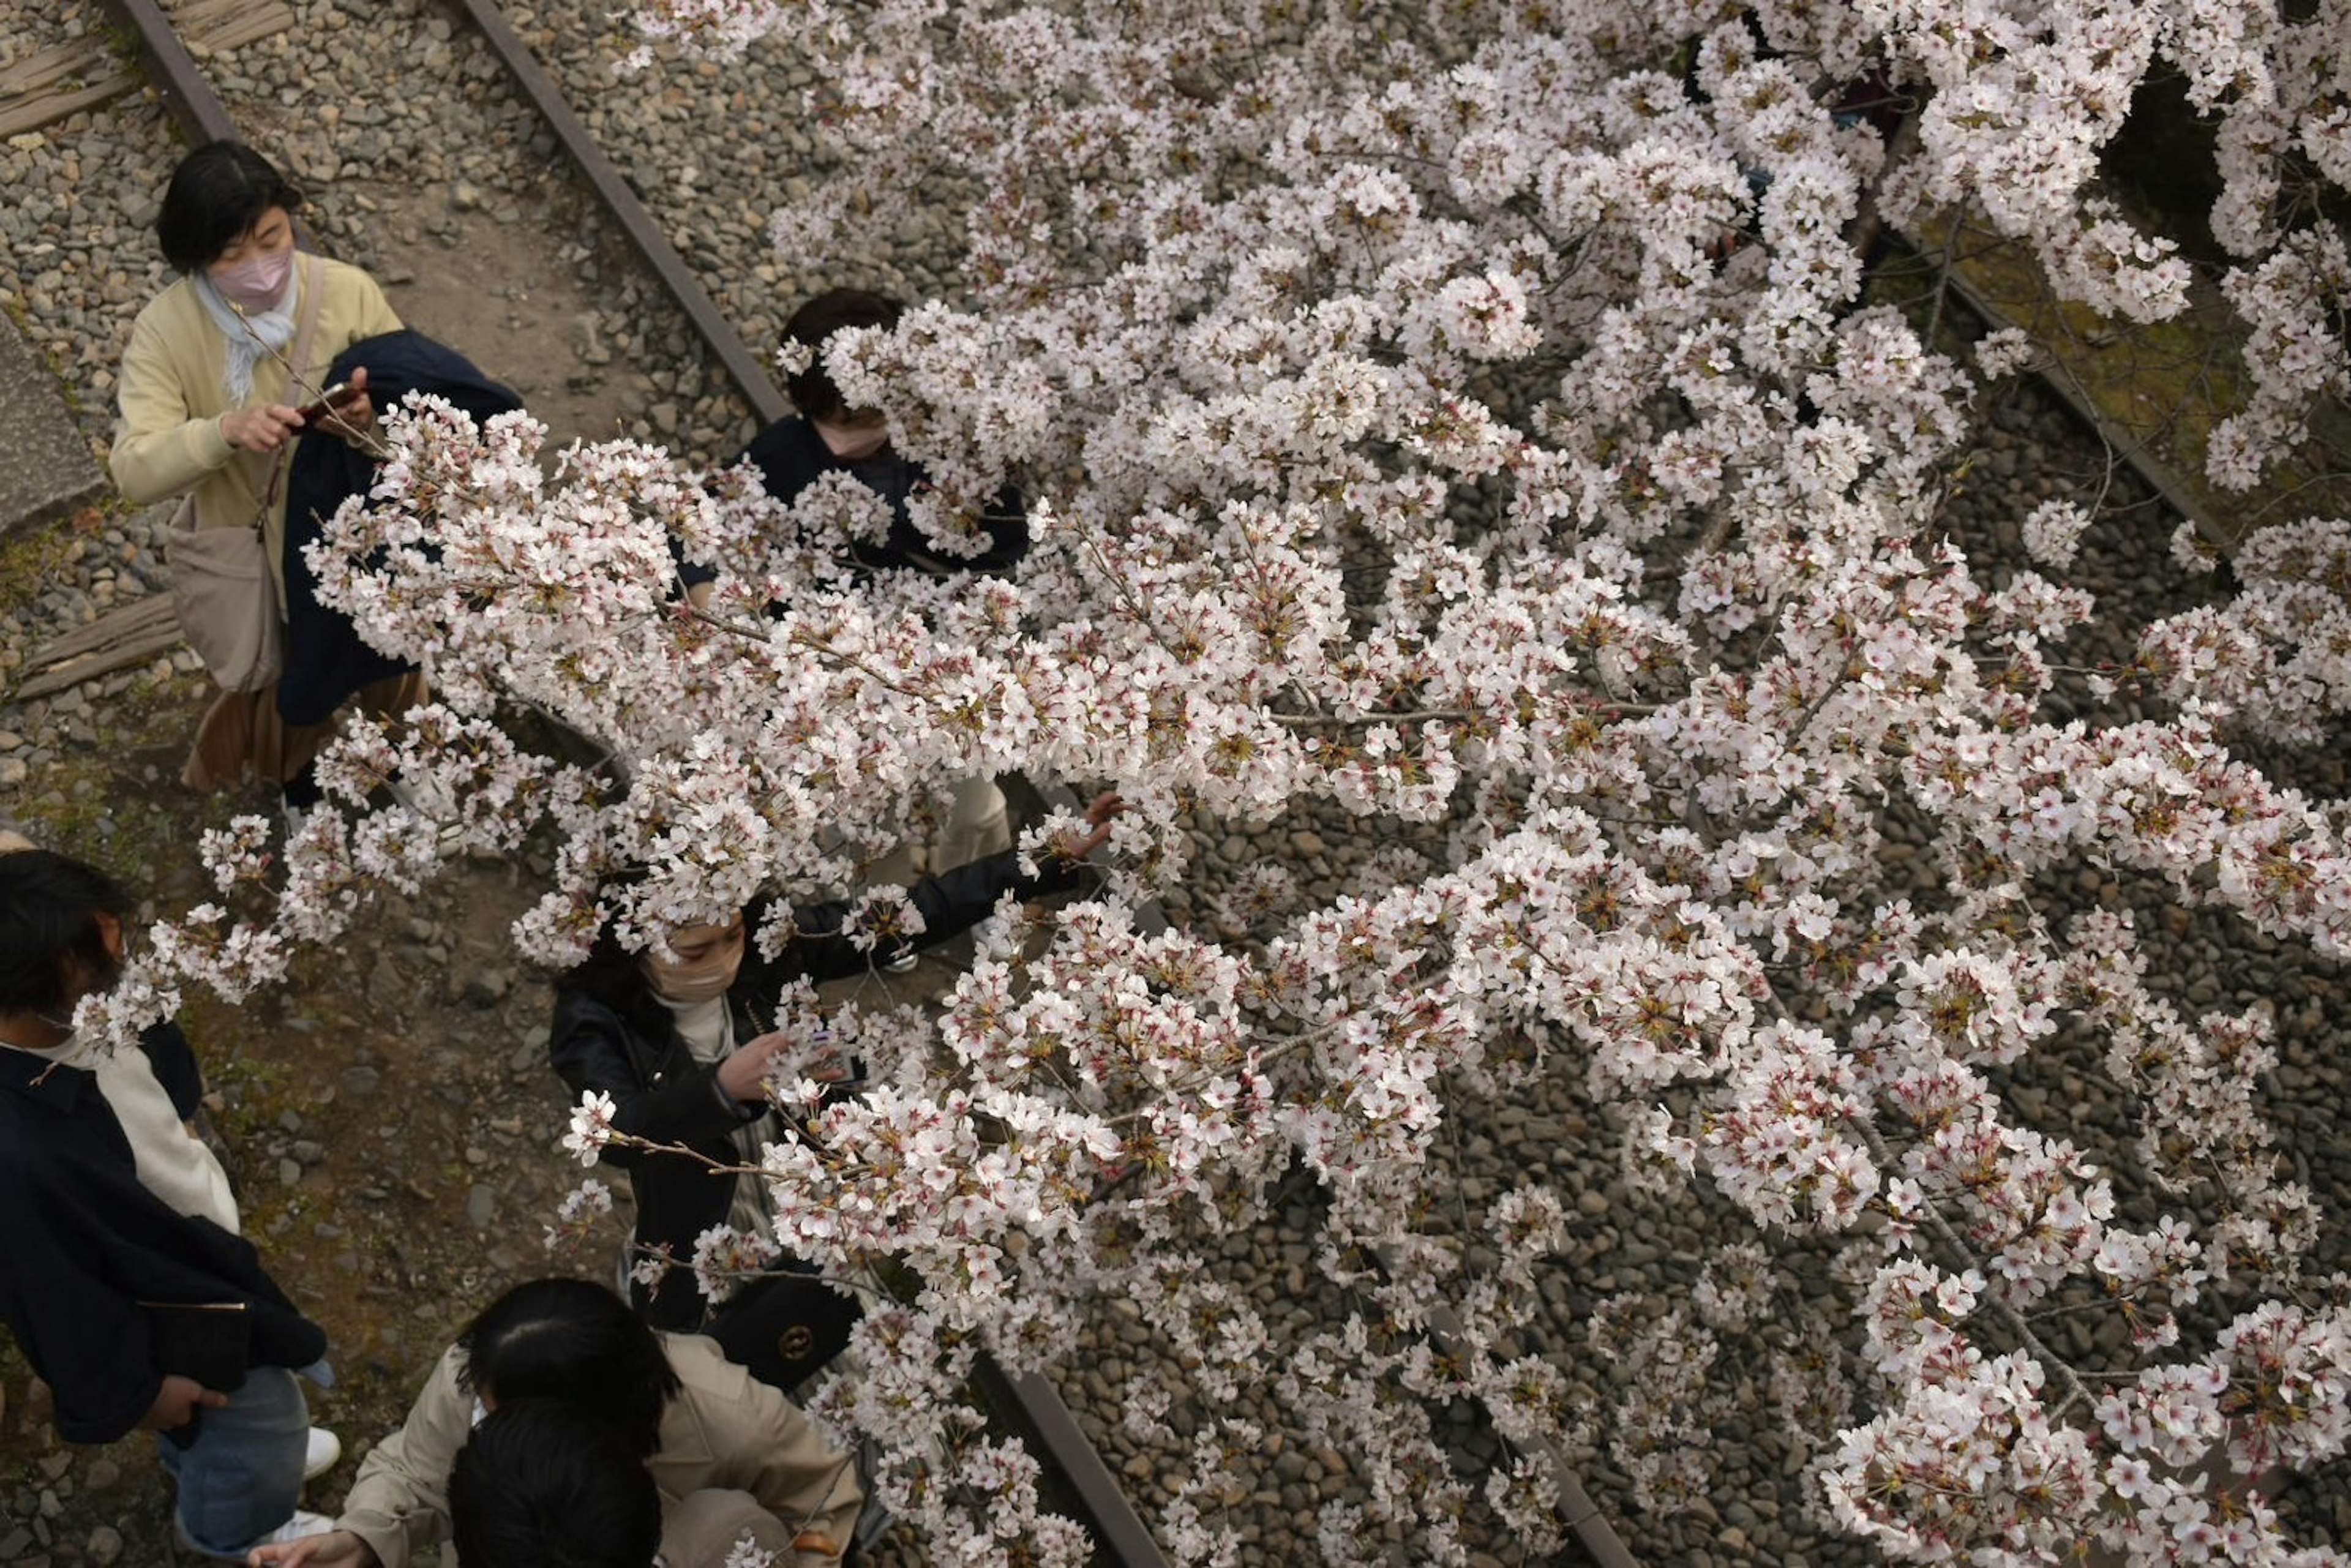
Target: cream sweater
167,435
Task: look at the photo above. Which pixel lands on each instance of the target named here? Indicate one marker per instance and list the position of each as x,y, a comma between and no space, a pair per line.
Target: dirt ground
389,1118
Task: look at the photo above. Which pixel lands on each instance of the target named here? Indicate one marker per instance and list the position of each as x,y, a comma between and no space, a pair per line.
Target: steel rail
1027,1403
1602,1546
173,73
620,199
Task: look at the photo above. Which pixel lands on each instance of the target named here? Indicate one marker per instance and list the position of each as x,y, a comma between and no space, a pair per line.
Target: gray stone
45,468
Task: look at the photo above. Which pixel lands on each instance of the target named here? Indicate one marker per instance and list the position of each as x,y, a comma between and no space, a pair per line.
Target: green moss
2166,384
29,559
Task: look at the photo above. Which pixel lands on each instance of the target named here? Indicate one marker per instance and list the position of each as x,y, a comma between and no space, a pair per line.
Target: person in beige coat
540,1482
218,371
698,1422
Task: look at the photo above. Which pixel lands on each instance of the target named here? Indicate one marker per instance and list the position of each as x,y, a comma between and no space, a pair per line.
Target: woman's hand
337,1546
351,417
263,428
744,1075
1106,806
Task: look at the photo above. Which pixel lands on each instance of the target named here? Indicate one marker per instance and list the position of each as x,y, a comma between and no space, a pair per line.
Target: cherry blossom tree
1466,418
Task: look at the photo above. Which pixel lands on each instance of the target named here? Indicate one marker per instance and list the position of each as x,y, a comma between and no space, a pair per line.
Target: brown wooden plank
49,108
46,68
134,618
106,663
210,27
50,84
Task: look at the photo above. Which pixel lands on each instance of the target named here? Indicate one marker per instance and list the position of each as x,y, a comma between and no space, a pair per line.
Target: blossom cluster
1476,432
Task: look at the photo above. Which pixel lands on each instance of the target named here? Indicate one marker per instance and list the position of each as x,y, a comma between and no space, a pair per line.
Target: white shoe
319,1457
301,1527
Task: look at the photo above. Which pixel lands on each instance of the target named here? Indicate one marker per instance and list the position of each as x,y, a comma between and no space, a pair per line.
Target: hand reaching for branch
351,417
1099,815
744,1075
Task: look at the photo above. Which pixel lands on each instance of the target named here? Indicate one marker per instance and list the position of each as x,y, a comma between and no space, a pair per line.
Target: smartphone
333,397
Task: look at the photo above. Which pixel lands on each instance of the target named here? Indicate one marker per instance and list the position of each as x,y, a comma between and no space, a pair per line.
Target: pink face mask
850,444
257,285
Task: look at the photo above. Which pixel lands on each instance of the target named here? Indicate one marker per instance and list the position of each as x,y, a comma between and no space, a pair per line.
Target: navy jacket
632,1052
790,456
82,1243
326,661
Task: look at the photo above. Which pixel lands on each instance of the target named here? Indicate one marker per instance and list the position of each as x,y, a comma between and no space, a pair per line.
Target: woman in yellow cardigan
211,405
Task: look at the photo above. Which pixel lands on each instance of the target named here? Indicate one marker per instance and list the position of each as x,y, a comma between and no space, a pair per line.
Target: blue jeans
243,1475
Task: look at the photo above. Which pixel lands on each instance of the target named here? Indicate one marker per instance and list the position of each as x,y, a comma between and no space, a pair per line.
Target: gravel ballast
368,100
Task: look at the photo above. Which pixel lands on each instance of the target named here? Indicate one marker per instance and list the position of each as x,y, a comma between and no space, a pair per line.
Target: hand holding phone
334,397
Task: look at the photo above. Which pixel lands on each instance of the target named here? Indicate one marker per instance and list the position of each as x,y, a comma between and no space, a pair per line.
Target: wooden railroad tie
49,84
131,634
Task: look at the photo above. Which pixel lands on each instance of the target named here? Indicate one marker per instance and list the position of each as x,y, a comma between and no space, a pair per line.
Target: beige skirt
241,736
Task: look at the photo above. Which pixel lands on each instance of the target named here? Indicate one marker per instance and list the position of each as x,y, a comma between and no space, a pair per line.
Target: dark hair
217,195
52,948
611,975
542,1483
834,310
573,1340
615,977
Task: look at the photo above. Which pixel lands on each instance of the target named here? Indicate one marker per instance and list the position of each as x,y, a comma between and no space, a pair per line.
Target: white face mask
700,979
850,443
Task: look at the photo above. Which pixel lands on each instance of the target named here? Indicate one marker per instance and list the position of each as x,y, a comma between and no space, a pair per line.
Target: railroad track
1027,1402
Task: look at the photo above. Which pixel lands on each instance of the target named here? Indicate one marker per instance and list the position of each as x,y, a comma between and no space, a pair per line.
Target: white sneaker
301,1527
319,1457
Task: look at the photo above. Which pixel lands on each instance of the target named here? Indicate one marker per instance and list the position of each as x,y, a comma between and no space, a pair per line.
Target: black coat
326,661
632,1052
82,1243
790,456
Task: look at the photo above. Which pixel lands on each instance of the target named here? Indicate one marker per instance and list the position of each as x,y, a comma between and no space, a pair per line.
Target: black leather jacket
660,1093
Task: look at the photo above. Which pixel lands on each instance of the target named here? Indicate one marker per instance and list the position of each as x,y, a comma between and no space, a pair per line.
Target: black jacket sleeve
174,1064
950,903
82,1332
675,1101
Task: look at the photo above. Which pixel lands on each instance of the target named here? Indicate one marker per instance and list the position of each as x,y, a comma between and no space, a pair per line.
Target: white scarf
707,1027
248,335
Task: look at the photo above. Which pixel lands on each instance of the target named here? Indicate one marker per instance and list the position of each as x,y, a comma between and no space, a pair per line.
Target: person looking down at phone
680,1042
123,1277
224,371
689,1420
